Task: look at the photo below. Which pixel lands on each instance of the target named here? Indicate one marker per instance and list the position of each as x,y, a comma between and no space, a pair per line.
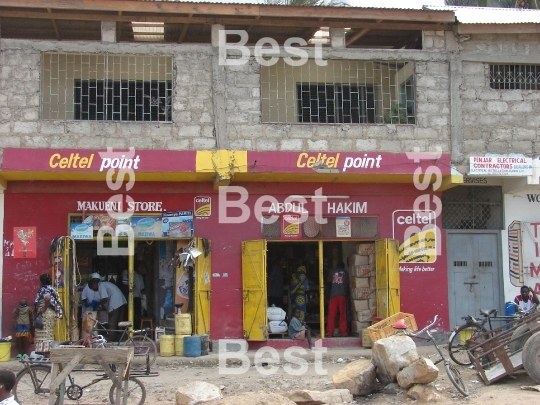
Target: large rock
422,371
423,393
254,398
200,391
331,397
358,377
392,354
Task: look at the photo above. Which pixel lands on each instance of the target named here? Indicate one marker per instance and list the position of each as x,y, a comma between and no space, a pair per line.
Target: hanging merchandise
66,276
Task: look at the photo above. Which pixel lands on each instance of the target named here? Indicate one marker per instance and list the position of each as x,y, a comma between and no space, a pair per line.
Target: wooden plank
54,372
66,370
116,354
498,372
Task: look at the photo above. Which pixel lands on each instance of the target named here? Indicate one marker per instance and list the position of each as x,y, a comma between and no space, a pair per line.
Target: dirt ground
177,371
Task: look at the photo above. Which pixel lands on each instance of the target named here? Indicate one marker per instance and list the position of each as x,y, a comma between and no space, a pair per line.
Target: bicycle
33,381
457,342
453,373
145,349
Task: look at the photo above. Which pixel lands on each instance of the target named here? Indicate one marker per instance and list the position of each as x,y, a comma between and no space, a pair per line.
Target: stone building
185,86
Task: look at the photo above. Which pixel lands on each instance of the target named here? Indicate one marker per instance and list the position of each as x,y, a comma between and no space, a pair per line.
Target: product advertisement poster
343,227
146,226
24,242
81,231
177,224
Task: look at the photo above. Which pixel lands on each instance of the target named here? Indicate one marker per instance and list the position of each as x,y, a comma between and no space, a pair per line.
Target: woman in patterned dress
298,288
47,304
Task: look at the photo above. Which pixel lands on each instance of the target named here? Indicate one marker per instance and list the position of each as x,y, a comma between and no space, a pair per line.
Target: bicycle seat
488,312
125,324
399,324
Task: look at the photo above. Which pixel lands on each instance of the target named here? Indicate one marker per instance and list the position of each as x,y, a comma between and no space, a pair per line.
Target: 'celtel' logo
203,206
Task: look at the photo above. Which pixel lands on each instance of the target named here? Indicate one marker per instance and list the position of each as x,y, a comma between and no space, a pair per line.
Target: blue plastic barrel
509,310
204,345
192,346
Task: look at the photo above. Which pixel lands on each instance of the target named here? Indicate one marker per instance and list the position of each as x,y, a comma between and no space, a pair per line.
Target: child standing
23,315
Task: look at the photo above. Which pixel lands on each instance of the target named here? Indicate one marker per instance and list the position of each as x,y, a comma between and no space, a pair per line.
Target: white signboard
500,166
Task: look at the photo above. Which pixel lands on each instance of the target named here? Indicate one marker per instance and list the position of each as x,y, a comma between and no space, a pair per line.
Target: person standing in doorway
339,293
275,283
298,288
112,300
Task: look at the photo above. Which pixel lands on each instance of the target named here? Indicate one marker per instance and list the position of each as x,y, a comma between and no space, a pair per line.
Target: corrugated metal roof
491,15
263,2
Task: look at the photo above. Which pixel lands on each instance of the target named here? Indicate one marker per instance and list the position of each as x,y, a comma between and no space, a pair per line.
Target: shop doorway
167,279
318,258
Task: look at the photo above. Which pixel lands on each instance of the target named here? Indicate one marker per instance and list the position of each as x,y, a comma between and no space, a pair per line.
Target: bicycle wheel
142,345
457,347
136,392
455,376
26,393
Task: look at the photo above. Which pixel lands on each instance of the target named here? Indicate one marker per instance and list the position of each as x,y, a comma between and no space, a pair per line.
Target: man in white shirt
112,300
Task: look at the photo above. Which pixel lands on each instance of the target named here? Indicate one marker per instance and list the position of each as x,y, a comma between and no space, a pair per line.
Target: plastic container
179,344
182,324
384,328
366,339
166,346
192,346
465,334
205,343
5,351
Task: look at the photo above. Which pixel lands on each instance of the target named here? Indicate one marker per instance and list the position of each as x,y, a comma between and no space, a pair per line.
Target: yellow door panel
387,277
203,277
254,290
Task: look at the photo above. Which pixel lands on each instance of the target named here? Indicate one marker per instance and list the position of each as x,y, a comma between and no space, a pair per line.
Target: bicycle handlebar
435,320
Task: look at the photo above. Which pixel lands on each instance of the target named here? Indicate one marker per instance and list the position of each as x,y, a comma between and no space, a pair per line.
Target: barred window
334,103
514,77
472,207
106,87
342,91
124,100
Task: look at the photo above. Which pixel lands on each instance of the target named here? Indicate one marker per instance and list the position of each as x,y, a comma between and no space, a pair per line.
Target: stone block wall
497,121
194,123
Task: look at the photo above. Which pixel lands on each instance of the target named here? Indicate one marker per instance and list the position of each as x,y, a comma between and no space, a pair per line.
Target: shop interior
157,260
307,254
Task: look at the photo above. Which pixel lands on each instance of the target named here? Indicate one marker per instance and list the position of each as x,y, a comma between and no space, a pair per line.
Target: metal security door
473,276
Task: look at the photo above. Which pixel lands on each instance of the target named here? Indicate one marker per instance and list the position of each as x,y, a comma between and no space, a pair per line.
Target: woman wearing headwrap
298,288
47,304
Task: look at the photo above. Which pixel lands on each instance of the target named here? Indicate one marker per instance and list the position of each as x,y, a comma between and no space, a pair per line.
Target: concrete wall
194,125
496,121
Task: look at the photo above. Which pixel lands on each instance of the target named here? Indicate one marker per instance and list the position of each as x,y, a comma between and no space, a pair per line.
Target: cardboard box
358,282
360,305
362,316
357,260
357,326
362,293
365,248
366,270
372,258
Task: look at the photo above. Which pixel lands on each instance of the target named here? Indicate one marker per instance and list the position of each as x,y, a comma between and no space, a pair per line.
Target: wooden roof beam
251,26
270,22
184,31
53,22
